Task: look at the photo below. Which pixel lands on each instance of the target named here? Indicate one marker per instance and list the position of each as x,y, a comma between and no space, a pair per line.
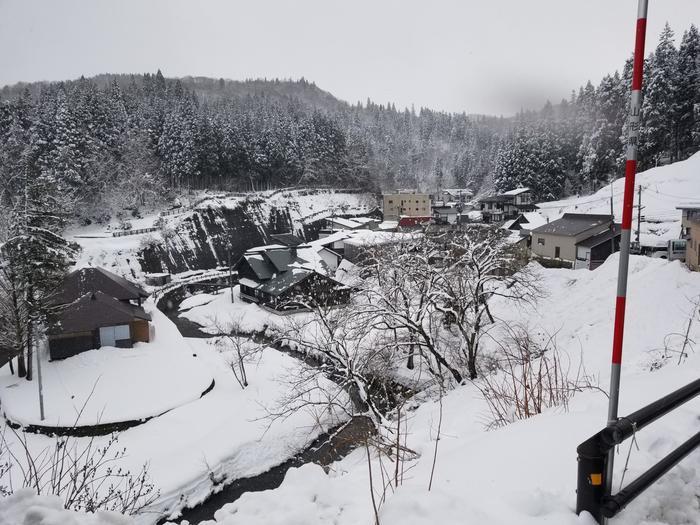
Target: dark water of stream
327,448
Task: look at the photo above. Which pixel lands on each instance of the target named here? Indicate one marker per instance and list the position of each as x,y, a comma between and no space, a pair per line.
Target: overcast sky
478,56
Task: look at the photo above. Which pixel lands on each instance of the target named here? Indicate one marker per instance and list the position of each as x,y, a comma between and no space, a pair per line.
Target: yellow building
406,204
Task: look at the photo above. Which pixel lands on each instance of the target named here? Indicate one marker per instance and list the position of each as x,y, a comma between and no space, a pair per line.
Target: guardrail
192,280
592,495
124,233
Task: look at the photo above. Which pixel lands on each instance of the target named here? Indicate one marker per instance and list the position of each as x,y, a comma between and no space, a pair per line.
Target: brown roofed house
96,308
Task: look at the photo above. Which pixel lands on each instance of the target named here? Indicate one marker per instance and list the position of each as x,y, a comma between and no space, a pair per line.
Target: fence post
591,482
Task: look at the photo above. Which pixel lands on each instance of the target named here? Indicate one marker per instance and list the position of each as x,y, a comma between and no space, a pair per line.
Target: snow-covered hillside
525,472
522,473
663,189
215,227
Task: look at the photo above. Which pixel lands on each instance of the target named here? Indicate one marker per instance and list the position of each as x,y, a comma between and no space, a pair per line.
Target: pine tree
34,256
657,134
688,99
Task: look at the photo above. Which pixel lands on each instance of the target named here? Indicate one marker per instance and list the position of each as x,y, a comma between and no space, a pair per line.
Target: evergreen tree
688,99
657,134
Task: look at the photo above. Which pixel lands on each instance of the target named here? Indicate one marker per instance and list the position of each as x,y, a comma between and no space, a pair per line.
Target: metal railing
125,233
594,452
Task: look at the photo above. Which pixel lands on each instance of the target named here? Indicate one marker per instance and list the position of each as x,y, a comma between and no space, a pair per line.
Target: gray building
577,235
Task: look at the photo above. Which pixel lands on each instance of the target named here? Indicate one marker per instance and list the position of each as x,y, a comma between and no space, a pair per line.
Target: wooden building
279,279
94,308
93,321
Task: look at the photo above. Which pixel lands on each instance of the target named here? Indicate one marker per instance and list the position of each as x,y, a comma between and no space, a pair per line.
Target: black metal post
590,487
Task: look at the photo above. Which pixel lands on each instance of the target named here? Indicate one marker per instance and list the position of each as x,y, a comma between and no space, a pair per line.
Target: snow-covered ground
663,189
525,472
216,311
226,433
109,384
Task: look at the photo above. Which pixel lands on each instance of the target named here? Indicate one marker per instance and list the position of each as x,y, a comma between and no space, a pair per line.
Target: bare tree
473,267
231,339
338,345
85,474
533,375
400,293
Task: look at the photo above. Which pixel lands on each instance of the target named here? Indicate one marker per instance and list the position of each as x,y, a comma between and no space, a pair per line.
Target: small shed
592,252
158,279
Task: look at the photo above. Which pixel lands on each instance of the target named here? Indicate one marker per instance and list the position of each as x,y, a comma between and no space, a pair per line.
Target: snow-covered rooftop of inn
516,191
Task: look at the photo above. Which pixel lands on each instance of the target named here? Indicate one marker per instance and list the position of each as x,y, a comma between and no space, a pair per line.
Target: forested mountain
577,146
123,140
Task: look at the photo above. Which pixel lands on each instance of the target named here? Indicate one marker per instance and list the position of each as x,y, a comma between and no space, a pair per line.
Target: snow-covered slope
663,189
213,229
525,473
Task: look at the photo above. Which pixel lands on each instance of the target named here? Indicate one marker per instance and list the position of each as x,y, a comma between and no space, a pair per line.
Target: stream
329,447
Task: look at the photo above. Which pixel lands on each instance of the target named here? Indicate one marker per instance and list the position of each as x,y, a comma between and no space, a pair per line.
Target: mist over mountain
125,140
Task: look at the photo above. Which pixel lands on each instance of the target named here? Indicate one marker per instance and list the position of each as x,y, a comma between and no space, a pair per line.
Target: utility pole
612,220
628,200
230,273
639,214
41,385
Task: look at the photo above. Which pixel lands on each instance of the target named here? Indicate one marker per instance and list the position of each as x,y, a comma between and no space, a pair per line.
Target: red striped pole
630,172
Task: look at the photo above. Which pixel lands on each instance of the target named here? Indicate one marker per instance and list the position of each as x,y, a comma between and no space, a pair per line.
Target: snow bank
26,508
218,310
665,188
111,384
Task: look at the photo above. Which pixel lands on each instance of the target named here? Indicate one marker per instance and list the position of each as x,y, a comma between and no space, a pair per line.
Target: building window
540,241
557,252
391,202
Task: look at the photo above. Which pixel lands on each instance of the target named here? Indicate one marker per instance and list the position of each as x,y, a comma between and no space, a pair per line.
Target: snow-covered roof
345,223
388,225
329,239
265,248
516,191
506,225
534,220
689,206
364,220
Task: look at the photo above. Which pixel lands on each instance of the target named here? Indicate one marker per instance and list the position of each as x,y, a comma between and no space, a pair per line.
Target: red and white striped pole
630,172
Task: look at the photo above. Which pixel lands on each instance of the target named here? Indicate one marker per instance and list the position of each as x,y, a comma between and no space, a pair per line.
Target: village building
406,204
453,196
282,278
446,214
524,223
690,232
578,240
286,239
507,205
94,308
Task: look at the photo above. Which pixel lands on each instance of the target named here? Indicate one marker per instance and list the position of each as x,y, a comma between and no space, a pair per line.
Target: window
557,252
391,202
540,241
